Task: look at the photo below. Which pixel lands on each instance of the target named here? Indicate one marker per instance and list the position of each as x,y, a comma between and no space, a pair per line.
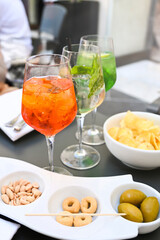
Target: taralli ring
80,221
65,220
71,204
88,205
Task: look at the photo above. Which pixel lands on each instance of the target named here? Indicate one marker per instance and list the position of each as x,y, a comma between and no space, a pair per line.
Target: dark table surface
32,148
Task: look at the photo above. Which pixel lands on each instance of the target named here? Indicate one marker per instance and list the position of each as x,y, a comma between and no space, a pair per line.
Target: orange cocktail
48,103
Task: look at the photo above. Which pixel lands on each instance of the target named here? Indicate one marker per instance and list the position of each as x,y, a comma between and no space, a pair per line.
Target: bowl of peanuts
134,139
20,188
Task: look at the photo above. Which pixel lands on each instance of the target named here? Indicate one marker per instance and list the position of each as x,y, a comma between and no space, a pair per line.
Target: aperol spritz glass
48,99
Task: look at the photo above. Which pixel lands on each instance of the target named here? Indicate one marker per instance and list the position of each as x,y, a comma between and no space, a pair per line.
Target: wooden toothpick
75,214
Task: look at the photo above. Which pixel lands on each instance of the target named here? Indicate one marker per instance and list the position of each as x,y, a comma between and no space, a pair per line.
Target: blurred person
3,72
15,35
4,87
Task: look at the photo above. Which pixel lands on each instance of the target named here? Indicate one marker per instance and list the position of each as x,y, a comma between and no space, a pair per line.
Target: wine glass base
87,158
59,170
92,137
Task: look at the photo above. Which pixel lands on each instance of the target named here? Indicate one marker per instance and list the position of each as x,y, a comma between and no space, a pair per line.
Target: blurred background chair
52,19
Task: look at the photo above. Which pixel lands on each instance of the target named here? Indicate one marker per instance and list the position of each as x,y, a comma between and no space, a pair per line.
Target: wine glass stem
94,112
80,122
50,145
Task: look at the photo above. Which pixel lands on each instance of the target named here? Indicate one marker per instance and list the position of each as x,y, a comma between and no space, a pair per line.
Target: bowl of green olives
140,203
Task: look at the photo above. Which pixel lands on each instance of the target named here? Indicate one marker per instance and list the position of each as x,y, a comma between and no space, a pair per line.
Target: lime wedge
77,70
105,55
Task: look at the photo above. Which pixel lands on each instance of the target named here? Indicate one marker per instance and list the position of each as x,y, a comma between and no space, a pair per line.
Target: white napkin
140,79
8,229
10,107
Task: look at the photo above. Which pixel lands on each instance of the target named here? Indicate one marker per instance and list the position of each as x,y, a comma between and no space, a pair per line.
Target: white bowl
132,157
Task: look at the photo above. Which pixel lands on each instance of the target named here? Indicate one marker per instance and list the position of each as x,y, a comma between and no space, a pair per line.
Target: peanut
3,189
22,188
37,193
23,200
11,203
28,186
5,198
30,198
9,193
23,182
17,188
35,185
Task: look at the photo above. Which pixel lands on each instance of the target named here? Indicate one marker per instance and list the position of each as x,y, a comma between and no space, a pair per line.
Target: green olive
150,209
132,196
133,212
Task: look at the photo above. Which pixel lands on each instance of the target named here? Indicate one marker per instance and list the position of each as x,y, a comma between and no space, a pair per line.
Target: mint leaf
96,81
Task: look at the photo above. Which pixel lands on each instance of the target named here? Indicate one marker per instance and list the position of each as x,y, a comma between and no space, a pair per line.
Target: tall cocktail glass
93,134
90,92
48,99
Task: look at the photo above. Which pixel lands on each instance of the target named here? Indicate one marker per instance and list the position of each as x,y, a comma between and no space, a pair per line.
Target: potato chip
155,141
130,120
134,122
113,132
129,141
158,137
143,124
158,143
124,132
137,132
145,146
154,129
144,137
122,123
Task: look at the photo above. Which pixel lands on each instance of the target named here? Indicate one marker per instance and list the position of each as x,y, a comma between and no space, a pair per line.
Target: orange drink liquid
48,104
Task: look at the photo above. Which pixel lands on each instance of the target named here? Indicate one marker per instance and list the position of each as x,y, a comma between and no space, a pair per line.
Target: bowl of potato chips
134,139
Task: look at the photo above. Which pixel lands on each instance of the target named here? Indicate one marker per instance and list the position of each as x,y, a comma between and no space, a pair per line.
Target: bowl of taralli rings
77,213
140,203
134,139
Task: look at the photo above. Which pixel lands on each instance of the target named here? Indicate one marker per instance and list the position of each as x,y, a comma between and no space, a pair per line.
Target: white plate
56,187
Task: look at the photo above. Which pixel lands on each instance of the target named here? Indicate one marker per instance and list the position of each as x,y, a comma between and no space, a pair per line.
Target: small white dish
55,188
132,157
143,228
